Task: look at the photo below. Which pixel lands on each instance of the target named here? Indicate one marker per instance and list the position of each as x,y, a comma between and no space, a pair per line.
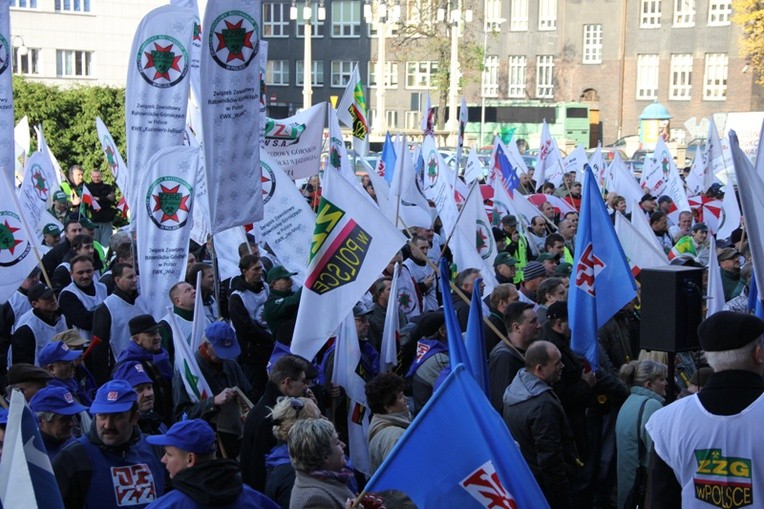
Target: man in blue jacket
113,465
199,478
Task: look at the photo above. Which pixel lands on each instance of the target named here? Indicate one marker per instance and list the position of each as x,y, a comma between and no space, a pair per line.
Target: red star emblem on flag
159,73
7,239
246,42
169,214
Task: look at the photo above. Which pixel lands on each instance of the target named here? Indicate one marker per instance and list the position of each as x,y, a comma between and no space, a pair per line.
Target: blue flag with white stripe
458,452
601,282
506,172
26,475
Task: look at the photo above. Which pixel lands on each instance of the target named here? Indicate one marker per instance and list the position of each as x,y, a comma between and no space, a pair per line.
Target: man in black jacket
535,417
290,376
103,194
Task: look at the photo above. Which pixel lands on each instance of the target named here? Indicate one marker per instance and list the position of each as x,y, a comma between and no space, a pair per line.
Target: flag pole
32,238
461,294
448,239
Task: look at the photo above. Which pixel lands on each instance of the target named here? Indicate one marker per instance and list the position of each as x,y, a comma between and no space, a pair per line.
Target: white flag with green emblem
7,147
163,220
352,243
194,382
156,95
474,225
37,188
351,111
114,161
16,256
295,142
230,104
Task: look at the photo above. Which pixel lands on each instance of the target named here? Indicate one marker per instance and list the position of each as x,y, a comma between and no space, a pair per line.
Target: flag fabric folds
114,159
194,382
481,467
88,199
715,290
388,355
475,340
26,475
457,351
352,243
230,105
7,146
351,111
751,189
601,281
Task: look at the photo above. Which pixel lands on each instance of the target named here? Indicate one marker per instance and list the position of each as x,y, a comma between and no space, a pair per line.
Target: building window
413,119
277,73
346,18
647,77
420,74
391,119
275,20
719,12
684,13
24,4
492,14
545,76
73,63
341,71
316,26
491,76
518,15
317,76
517,65
593,44
547,14
391,75
72,5
26,64
715,77
650,14
681,77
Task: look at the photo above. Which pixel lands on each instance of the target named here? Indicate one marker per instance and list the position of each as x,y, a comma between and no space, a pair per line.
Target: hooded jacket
214,483
535,417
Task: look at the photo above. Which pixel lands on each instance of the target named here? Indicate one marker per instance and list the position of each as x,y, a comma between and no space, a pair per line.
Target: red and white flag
89,199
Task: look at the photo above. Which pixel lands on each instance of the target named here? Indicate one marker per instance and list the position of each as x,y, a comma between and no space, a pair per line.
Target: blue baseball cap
114,397
223,339
57,400
56,351
132,372
193,435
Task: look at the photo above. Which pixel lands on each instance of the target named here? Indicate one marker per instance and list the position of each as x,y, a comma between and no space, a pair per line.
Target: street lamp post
307,65
455,20
492,25
384,18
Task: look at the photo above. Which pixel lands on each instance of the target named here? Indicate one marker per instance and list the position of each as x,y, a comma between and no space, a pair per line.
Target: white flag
7,146
352,110
230,105
194,382
163,220
58,175
407,205
16,241
641,252
597,164
156,95
295,142
549,161
474,226
288,222
114,160
352,244
715,300
22,140
338,157
474,169
227,245
576,161
640,222
436,186
388,355
37,188
623,182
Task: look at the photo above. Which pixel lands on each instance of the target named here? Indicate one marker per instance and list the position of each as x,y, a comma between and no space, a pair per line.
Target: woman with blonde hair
647,382
279,477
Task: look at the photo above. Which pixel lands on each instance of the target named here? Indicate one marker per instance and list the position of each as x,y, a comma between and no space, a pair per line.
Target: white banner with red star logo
288,221
37,187
16,257
114,159
230,105
163,220
158,80
7,147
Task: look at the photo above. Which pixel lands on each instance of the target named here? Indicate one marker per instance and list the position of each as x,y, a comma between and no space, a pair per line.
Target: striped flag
88,199
26,476
685,245
122,207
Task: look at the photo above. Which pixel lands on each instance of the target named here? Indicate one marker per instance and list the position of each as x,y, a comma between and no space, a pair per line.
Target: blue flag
26,475
457,351
458,452
601,282
388,158
754,303
507,173
475,340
